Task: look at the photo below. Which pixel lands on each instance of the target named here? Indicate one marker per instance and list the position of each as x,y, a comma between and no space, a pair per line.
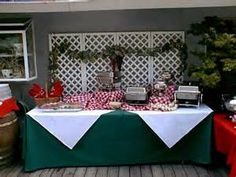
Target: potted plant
6,66
10,67
217,60
10,48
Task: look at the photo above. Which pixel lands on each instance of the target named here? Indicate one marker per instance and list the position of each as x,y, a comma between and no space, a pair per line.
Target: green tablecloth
117,138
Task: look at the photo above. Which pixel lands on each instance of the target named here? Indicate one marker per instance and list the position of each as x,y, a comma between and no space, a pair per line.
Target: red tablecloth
225,139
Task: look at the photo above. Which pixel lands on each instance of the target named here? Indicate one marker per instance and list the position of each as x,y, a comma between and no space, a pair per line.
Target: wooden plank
22,173
69,172
190,171
80,172
47,172
201,171
5,170
91,172
58,172
214,172
35,173
157,171
113,172
134,171
102,172
178,171
15,171
123,171
146,171
168,171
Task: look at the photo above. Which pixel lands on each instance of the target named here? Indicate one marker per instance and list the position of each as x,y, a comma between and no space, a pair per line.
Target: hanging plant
116,54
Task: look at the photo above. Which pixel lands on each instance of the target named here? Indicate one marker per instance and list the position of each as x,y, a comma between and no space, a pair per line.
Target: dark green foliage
218,37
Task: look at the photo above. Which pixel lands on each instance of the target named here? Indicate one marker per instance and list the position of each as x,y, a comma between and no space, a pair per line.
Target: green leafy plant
218,38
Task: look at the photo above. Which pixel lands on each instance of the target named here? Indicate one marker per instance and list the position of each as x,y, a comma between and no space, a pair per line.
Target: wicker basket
40,101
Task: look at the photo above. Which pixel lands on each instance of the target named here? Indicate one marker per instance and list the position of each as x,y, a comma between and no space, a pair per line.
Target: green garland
111,52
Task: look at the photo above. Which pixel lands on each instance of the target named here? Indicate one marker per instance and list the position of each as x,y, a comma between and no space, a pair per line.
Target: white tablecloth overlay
174,125
69,127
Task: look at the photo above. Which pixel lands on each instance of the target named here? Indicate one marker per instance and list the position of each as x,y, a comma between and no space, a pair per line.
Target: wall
101,21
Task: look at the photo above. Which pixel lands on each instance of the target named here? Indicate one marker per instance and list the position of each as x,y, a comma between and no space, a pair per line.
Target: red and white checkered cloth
116,95
92,105
101,99
97,100
82,98
101,96
160,99
170,90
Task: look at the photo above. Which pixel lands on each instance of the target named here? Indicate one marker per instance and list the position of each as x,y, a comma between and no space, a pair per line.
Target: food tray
61,110
188,96
61,107
136,94
187,92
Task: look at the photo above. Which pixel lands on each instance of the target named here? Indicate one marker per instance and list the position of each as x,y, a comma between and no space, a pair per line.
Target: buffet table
225,139
120,138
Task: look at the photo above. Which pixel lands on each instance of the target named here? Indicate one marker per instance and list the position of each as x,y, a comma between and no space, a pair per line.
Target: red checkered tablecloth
101,99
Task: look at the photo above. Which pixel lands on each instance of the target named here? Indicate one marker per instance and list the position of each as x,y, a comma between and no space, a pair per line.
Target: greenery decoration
113,52
218,38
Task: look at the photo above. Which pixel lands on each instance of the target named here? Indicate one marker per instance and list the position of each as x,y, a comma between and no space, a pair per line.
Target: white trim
26,61
34,50
11,31
111,5
17,79
83,65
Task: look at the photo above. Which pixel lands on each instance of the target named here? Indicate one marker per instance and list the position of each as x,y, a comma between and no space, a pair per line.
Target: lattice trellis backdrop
168,61
78,77
135,69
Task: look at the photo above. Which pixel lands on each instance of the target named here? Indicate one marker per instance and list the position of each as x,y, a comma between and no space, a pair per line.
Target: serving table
118,138
225,139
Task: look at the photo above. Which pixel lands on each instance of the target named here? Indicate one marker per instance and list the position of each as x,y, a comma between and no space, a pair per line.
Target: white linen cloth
68,127
174,125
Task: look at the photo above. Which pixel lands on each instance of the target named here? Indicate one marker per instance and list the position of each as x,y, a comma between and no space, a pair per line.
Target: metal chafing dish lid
136,90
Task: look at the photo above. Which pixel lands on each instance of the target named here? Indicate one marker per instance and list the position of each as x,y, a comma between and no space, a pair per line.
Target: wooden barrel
8,137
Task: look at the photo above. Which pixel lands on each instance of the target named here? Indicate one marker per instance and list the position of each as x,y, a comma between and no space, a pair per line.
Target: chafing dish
230,105
188,96
136,95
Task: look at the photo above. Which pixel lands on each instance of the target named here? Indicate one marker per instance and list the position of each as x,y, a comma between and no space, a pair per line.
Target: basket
115,105
40,101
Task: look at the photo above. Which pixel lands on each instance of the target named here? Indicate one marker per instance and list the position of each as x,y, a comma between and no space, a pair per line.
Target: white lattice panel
69,71
134,39
168,61
78,77
91,72
97,41
135,69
